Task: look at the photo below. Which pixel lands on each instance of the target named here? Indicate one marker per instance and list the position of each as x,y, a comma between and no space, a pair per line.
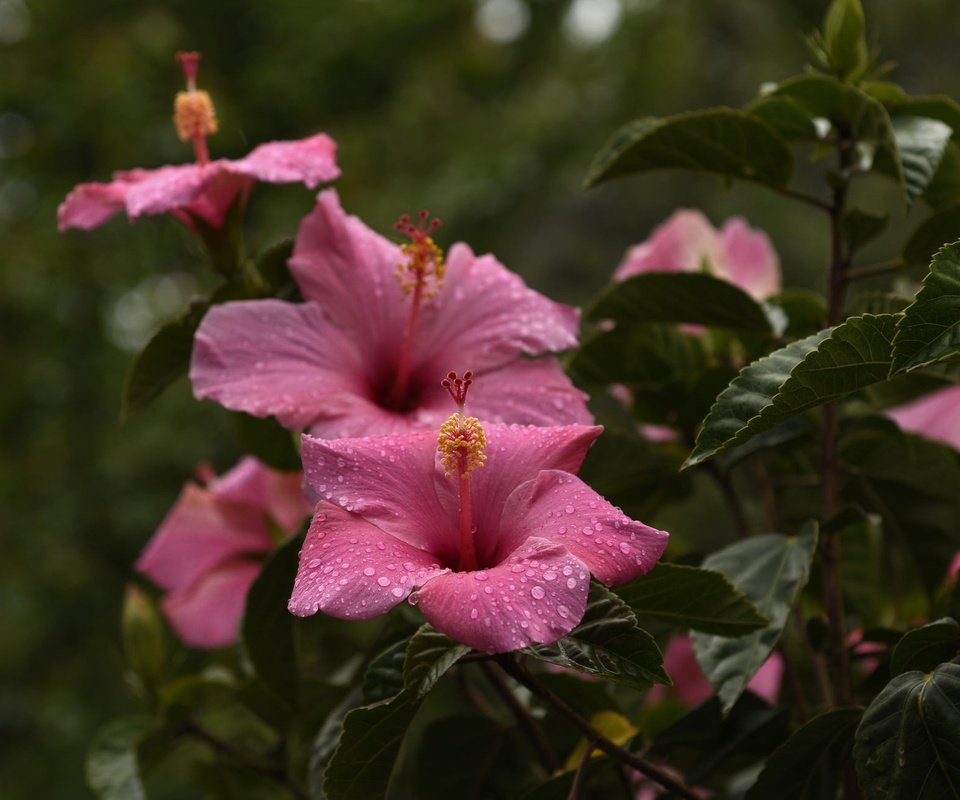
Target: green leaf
680,297
861,537
810,764
907,745
720,141
806,311
785,117
361,766
805,374
429,655
692,598
113,771
383,679
944,187
844,37
929,330
273,268
925,647
608,644
326,741
267,628
165,359
860,227
921,142
269,441
458,758
912,483
771,570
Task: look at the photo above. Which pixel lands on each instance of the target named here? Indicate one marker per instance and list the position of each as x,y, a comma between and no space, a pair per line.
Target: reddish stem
402,379
468,551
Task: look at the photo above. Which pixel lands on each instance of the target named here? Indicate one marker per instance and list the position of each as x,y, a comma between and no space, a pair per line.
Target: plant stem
601,742
578,775
809,199
544,752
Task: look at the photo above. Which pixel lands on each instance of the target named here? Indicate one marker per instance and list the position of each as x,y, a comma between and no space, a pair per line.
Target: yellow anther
422,266
461,445
193,115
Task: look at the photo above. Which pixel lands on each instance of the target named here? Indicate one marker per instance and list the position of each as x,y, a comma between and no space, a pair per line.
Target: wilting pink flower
206,189
210,548
381,322
495,545
687,242
935,415
690,685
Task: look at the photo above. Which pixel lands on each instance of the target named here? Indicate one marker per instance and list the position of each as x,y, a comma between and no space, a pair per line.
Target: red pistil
193,114
457,387
190,63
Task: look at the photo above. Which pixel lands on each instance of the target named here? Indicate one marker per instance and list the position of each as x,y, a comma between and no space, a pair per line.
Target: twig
578,775
725,485
809,199
652,771
896,265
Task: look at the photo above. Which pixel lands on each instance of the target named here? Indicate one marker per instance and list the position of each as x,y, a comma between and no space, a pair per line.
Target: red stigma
190,64
422,230
457,387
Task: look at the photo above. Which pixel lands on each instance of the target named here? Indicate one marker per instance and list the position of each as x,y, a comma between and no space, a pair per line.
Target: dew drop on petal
563,611
549,575
383,580
625,548
369,571
569,509
474,613
537,593
571,583
397,591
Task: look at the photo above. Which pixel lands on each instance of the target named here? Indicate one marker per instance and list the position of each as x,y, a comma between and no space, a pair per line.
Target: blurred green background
487,112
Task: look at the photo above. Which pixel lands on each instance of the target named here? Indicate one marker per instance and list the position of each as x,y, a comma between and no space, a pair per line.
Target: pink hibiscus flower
488,531
380,322
687,242
935,415
210,548
206,189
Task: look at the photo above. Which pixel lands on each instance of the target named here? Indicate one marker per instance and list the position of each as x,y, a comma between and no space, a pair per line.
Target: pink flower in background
361,356
206,189
687,242
494,539
690,685
210,548
935,415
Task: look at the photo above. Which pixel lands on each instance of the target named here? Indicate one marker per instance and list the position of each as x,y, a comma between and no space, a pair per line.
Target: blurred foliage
429,111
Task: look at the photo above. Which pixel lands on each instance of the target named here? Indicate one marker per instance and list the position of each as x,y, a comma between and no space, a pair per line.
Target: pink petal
214,198
561,508
166,188
353,570
280,494
751,263
936,416
268,357
207,613
527,392
350,270
681,244
311,161
89,205
391,481
538,595
766,682
198,533
485,316
953,571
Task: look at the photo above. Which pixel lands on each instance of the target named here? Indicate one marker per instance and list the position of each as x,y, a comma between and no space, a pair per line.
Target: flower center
461,445
193,113
420,274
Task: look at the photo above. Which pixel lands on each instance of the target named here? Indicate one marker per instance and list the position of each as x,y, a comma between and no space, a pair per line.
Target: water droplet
537,593
383,580
549,575
563,611
474,613
369,571
571,583
625,548
414,598
569,509
479,576
397,591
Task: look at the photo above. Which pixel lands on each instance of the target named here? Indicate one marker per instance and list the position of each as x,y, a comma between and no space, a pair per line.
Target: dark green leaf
383,679
269,441
921,142
861,550
607,643
267,628
859,227
785,117
944,189
429,655
680,297
720,141
800,376
326,741
361,766
771,570
925,647
929,330
165,358
806,311
941,227
912,483
810,764
878,302
900,104
458,758
113,771
273,268
908,745
692,598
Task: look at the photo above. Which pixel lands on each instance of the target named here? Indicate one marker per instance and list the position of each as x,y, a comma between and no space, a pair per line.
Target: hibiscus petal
391,481
680,244
89,205
485,315
561,508
207,613
350,270
165,188
311,161
935,415
751,262
538,595
268,357
351,569
199,532
280,494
